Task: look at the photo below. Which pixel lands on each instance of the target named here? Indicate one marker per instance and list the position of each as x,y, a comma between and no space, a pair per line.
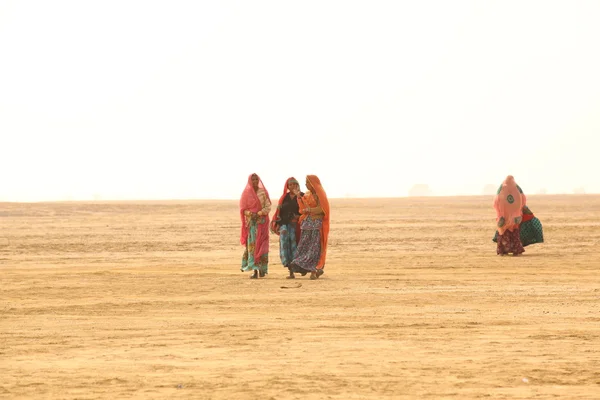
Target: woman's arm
264,201
266,209
315,210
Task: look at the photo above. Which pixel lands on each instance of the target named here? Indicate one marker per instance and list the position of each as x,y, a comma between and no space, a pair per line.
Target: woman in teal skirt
255,205
285,222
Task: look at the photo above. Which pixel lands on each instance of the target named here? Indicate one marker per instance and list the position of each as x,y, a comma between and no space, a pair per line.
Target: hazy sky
175,99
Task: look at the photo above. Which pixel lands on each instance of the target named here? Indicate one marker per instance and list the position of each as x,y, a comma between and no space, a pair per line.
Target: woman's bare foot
291,276
313,275
254,275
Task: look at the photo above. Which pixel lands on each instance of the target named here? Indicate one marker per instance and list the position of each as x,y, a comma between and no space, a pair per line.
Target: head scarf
250,201
324,203
286,190
509,203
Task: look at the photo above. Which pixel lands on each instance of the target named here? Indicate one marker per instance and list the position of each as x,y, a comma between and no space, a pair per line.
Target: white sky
175,99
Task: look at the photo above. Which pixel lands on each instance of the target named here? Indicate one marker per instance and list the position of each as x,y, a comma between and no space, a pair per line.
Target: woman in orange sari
508,204
314,224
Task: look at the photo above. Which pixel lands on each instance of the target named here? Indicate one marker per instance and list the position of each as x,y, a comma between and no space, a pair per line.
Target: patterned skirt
308,252
531,232
249,263
287,243
510,242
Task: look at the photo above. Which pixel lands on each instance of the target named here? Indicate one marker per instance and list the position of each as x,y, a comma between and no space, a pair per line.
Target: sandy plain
146,300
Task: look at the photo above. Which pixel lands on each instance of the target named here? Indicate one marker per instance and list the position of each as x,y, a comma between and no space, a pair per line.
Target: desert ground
146,300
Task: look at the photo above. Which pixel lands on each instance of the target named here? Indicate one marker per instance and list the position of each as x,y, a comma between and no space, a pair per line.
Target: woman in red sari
314,224
255,205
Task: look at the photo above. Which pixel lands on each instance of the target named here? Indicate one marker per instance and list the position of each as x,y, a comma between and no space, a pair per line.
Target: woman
314,224
509,203
530,228
285,222
255,205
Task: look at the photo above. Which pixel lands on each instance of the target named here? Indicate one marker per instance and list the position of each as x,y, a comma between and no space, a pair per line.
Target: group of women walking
301,221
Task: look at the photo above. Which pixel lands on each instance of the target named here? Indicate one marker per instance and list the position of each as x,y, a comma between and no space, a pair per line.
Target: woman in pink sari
509,203
255,205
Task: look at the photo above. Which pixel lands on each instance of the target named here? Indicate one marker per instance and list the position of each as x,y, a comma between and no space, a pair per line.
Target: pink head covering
250,201
509,203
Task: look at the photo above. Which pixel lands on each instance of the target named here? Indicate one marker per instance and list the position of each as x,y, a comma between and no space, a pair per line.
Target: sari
311,254
531,230
255,229
509,203
285,224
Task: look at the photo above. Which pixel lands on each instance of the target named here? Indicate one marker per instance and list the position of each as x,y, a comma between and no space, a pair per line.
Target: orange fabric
509,204
310,201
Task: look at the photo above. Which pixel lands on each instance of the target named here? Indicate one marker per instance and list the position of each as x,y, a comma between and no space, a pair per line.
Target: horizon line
139,200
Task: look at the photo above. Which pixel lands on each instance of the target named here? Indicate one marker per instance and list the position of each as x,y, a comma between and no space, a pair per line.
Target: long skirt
287,243
531,232
249,263
308,252
510,242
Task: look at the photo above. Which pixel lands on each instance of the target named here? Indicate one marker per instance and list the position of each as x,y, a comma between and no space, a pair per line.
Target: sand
146,300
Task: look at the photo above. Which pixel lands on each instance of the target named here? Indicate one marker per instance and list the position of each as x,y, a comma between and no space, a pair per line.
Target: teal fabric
248,261
531,232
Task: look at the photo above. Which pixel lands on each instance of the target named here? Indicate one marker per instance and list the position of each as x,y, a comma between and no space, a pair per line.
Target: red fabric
527,217
250,202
